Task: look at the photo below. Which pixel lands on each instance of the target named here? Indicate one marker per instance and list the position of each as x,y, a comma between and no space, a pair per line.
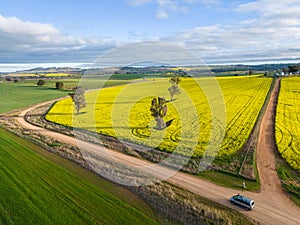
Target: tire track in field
242,112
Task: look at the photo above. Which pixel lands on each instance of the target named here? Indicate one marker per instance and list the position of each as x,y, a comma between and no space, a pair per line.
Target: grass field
230,180
123,112
27,93
18,95
288,121
38,187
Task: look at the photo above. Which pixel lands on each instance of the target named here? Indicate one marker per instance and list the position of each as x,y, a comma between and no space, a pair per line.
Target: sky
217,31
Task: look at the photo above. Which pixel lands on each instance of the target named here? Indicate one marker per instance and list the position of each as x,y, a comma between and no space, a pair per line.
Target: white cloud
271,8
14,25
166,6
26,40
215,43
138,2
272,32
167,3
161,15
205,2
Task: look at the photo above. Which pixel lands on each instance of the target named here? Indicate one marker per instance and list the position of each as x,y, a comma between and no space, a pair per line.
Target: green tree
159,110
78,98
40,82
59,85
294,68
8,78
174,89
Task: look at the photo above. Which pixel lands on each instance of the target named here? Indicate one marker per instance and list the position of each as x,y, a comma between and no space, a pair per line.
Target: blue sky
218,31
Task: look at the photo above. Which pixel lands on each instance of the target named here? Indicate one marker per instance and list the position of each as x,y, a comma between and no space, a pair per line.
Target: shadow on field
59,114
75,114
39,87
174,99
103,128
168,123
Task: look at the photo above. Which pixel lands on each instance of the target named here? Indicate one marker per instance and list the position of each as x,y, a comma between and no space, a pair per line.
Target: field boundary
250,146
283,168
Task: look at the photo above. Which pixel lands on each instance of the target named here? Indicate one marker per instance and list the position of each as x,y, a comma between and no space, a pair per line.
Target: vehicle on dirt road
242,201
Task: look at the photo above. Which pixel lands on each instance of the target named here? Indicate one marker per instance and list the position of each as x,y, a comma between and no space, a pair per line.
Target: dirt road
273,206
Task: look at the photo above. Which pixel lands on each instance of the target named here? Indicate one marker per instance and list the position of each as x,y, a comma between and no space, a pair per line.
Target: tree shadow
174,99
168,123
80,113
56,114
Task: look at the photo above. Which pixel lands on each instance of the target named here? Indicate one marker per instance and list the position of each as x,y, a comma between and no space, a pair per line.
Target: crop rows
123,112
288,121
35,190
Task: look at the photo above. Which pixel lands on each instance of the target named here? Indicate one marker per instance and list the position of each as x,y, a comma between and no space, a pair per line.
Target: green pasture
38,187
19,95
26,93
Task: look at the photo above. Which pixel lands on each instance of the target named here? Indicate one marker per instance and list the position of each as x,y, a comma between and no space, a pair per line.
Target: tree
159,110
250,72
78,98
175,80
293,68
174,89
40,82
59,85
285,70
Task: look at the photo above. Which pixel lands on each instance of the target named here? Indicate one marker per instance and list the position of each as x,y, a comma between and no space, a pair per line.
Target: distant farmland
123,112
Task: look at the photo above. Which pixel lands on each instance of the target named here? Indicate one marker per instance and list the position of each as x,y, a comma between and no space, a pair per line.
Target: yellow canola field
288,121
194,116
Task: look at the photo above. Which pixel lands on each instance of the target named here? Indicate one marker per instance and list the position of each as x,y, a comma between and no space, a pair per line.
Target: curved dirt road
272,205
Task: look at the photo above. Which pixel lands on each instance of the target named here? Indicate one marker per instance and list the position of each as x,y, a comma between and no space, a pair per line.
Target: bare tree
159,110
78,98
174,89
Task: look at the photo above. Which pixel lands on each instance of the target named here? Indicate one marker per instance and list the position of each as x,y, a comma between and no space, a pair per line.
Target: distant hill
167,70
